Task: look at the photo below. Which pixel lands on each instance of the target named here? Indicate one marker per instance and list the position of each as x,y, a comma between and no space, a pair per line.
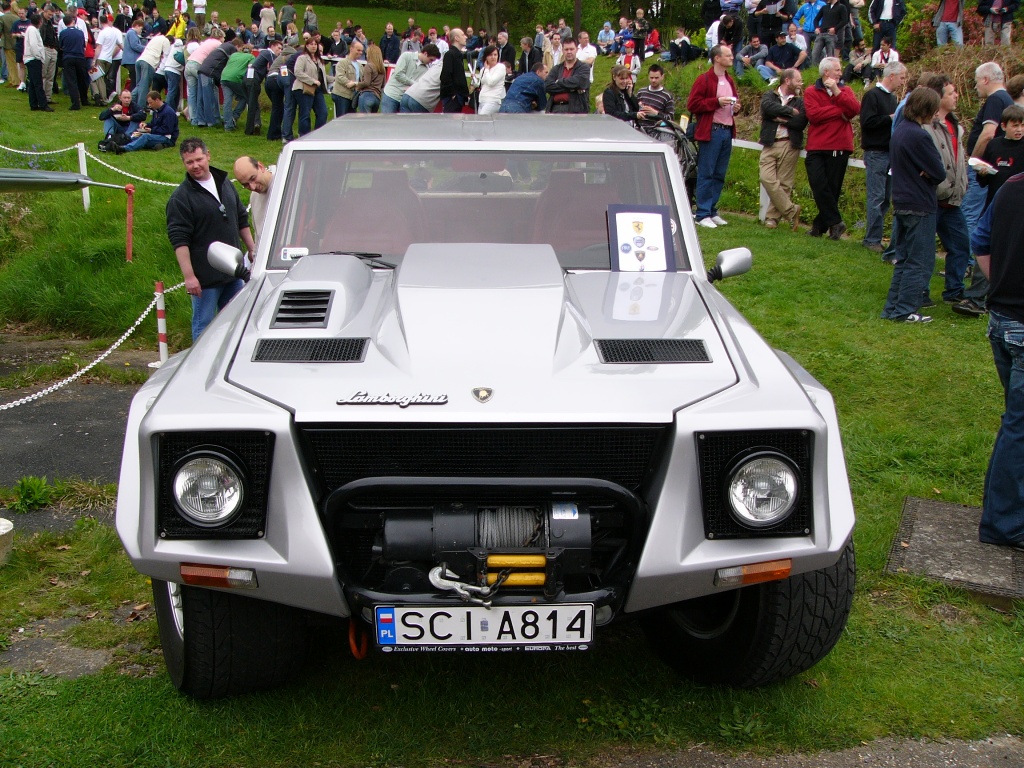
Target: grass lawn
918,406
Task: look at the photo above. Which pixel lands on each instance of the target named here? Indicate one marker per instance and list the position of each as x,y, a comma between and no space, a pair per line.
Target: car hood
478,332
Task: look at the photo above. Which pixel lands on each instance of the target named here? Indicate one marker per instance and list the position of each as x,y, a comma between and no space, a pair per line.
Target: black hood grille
652,351
302,309
310,351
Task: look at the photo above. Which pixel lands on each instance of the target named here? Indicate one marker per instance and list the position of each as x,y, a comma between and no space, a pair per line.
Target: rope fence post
130,222
84,170
161,324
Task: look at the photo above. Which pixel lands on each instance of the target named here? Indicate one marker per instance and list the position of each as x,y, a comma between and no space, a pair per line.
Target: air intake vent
652,351
310,351
302,309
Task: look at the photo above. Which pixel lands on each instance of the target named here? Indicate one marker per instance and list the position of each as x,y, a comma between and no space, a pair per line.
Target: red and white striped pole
130,222
161,325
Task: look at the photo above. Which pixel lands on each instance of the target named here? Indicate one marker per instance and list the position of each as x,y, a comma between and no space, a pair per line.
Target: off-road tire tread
236,644
782,628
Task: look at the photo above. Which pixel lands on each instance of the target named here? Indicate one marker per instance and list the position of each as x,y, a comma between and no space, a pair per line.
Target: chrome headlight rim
232,464
743,461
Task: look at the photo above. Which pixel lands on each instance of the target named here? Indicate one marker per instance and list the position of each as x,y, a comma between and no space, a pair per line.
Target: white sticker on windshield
291,254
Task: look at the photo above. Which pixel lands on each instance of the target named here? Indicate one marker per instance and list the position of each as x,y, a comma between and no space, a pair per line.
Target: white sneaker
773,81
708,222
719,221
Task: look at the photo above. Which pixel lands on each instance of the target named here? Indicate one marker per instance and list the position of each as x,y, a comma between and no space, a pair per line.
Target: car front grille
618,454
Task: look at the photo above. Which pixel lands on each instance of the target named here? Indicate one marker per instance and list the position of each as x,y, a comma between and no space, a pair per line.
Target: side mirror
227,259
735,261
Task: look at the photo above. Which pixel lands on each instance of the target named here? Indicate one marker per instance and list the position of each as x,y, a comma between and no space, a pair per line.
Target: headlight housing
763,490
209,489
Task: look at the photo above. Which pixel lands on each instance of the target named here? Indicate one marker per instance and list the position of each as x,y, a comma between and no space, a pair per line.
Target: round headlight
763,491
208,490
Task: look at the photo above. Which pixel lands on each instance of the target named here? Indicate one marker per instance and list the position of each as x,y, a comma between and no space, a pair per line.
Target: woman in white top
491,81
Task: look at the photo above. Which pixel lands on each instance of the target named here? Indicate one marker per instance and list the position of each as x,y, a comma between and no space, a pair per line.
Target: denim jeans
766,72
949,32
915,260
290,105
368,102
209,103
712,164
951,228
276,96
879,193
190,74
388,106
211,301
311,103
1002,517
147,141
110,125
144,70
409,104
973,204
342,106
173,88
235,100
192,92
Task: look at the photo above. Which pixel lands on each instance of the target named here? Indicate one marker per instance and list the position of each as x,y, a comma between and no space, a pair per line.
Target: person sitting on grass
123,116
161,130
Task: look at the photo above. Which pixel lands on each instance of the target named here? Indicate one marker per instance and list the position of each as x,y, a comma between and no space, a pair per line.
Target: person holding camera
161,130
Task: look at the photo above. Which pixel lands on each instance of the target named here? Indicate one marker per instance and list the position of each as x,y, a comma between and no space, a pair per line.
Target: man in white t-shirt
108,42
587,52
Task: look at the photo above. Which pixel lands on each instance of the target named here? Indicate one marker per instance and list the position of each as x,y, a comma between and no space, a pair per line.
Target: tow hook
442,578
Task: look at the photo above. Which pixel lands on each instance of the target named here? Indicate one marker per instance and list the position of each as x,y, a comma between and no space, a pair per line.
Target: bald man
258,179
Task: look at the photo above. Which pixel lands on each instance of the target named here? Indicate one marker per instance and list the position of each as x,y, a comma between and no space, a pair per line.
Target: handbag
308,89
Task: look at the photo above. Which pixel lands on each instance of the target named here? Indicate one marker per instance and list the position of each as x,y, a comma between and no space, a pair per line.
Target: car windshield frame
380,201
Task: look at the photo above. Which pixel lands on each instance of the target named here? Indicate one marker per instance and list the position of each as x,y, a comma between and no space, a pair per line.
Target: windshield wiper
373,259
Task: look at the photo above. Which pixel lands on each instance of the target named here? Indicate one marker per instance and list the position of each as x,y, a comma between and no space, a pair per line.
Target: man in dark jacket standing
885,17
568,83
454,86
998,244
712,101
254,77
782,136
390,44
205,209
830,109
876,111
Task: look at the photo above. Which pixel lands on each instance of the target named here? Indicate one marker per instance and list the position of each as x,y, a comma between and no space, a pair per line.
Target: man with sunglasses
205,209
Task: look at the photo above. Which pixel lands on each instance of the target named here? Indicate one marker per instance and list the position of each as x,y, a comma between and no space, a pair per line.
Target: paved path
76,432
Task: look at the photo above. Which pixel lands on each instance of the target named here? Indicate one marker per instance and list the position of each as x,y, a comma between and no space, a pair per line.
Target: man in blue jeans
204,209
997,244
161,130
712,101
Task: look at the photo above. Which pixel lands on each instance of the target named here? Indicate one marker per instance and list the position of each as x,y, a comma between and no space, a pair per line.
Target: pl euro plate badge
555,627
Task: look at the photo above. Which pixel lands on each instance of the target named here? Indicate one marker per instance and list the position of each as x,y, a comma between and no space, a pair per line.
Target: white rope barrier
129,175
74,377
50,152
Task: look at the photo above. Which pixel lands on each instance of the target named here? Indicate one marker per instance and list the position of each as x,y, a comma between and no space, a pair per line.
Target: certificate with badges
640,238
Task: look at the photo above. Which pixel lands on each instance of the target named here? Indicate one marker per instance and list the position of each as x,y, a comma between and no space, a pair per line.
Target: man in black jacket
885,17
204,209
454,86
782,136
998,244
829,29
876,111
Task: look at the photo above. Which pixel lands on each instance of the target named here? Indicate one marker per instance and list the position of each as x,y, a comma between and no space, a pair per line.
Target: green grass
918,407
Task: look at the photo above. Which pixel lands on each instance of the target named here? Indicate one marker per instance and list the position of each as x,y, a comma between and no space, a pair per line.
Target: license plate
552,627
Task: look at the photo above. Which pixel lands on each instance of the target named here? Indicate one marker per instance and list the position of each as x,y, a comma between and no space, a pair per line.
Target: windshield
382,202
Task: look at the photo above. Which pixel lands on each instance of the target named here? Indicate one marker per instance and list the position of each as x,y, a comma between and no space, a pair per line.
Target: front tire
218,644
759,634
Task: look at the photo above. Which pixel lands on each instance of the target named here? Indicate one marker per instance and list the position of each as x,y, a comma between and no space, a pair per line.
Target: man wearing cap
781,56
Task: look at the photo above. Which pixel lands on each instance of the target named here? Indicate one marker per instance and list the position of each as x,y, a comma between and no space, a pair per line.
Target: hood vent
310,350
302,309
652,351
